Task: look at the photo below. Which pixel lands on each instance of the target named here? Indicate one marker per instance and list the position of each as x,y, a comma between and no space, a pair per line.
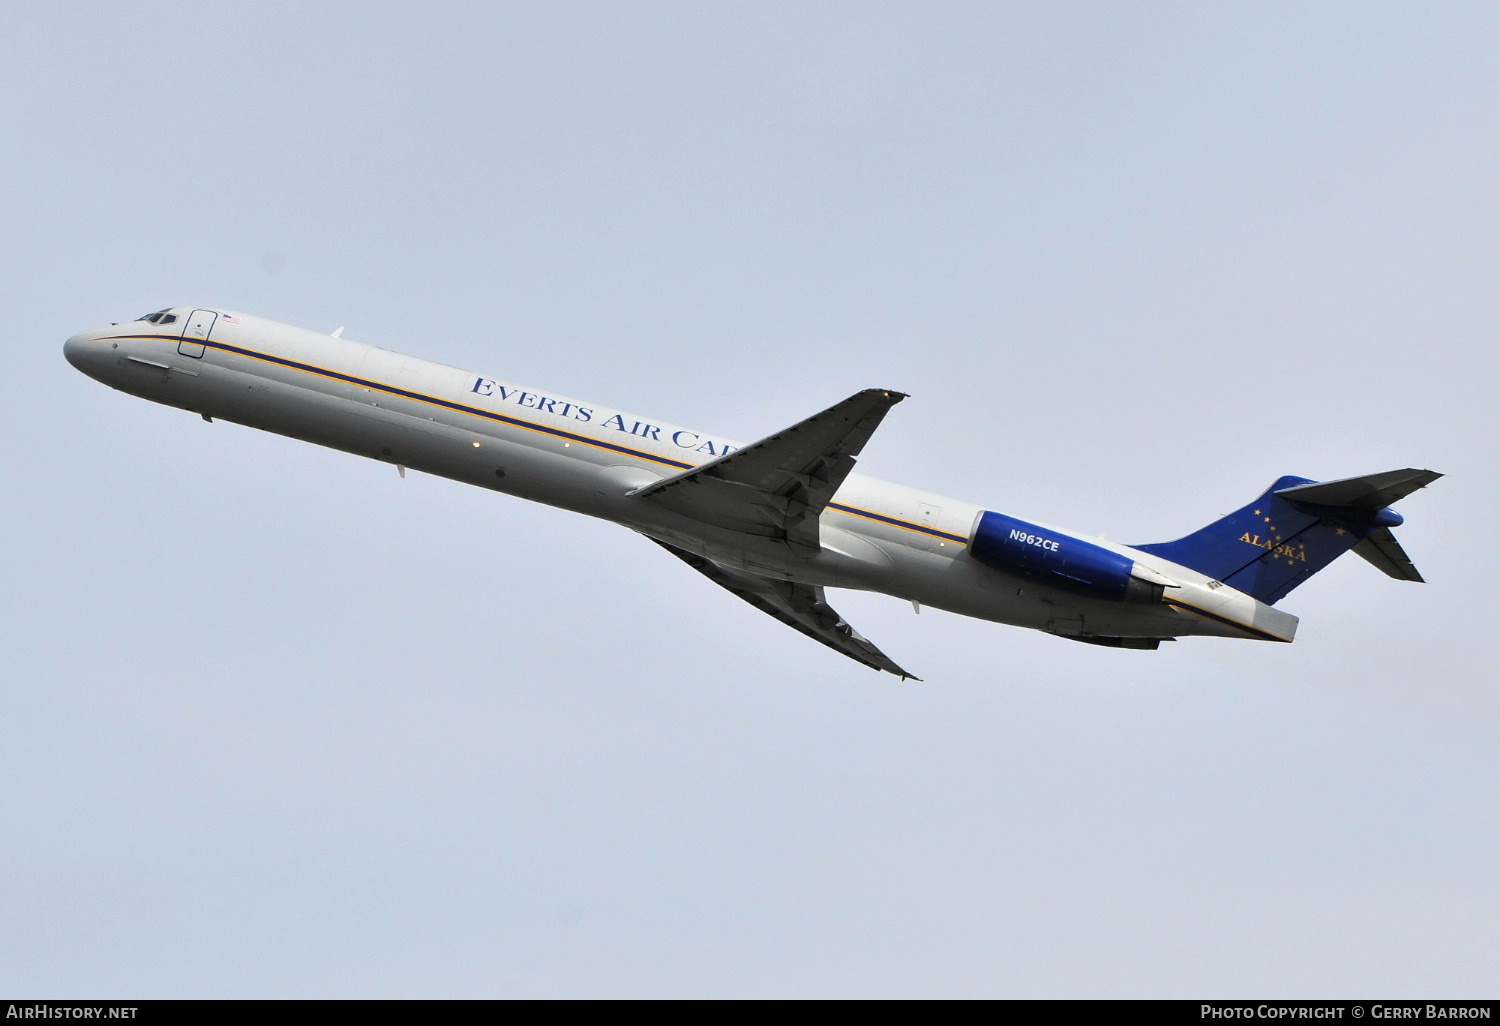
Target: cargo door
388,423
1064,622
381,375
929,516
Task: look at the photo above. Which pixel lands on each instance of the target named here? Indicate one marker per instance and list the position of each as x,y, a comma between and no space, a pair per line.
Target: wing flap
778,487
799,606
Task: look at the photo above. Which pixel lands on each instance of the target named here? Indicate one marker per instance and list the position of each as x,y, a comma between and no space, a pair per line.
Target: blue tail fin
1293,530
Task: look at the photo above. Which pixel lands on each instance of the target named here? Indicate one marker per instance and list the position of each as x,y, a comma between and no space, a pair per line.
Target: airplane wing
797,605
779,486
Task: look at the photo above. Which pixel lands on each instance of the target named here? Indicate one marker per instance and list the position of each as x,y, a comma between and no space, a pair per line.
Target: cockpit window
166,319
157,318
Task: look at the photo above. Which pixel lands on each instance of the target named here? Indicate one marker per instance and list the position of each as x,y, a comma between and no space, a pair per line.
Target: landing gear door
195,333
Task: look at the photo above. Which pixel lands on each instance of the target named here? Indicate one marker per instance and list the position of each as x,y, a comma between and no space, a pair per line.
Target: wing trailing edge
799,606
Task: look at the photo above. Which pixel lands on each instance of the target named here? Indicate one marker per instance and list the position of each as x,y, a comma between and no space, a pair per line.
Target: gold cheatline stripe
448,404
890,521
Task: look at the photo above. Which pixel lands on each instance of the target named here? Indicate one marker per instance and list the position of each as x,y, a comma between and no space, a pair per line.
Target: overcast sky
278,723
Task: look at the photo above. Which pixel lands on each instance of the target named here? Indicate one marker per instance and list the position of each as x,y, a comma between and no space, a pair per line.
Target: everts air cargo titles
777,521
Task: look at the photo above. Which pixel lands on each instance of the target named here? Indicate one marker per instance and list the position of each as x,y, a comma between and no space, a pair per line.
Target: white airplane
775,522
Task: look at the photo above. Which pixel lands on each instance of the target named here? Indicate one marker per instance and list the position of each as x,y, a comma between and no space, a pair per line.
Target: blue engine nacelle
1015,546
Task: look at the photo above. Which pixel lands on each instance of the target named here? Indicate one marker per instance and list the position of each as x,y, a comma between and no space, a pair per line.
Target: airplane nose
86,353
73,349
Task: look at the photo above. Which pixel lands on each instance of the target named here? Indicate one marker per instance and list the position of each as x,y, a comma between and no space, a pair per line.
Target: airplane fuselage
484,430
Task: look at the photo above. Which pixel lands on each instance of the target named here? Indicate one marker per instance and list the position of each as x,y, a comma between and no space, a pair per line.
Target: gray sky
278,723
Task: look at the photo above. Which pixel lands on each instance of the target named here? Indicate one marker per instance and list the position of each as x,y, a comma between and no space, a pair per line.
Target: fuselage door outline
200,324
929,515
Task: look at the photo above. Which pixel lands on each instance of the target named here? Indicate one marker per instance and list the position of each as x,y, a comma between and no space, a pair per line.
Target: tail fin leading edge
1296,528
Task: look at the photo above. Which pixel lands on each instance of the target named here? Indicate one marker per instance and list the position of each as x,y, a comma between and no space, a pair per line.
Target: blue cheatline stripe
503,419
417,397
881,518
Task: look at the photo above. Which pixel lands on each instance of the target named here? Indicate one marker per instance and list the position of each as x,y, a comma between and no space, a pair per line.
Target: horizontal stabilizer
778,487
1296,528
799,606
1371,492
1382,550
